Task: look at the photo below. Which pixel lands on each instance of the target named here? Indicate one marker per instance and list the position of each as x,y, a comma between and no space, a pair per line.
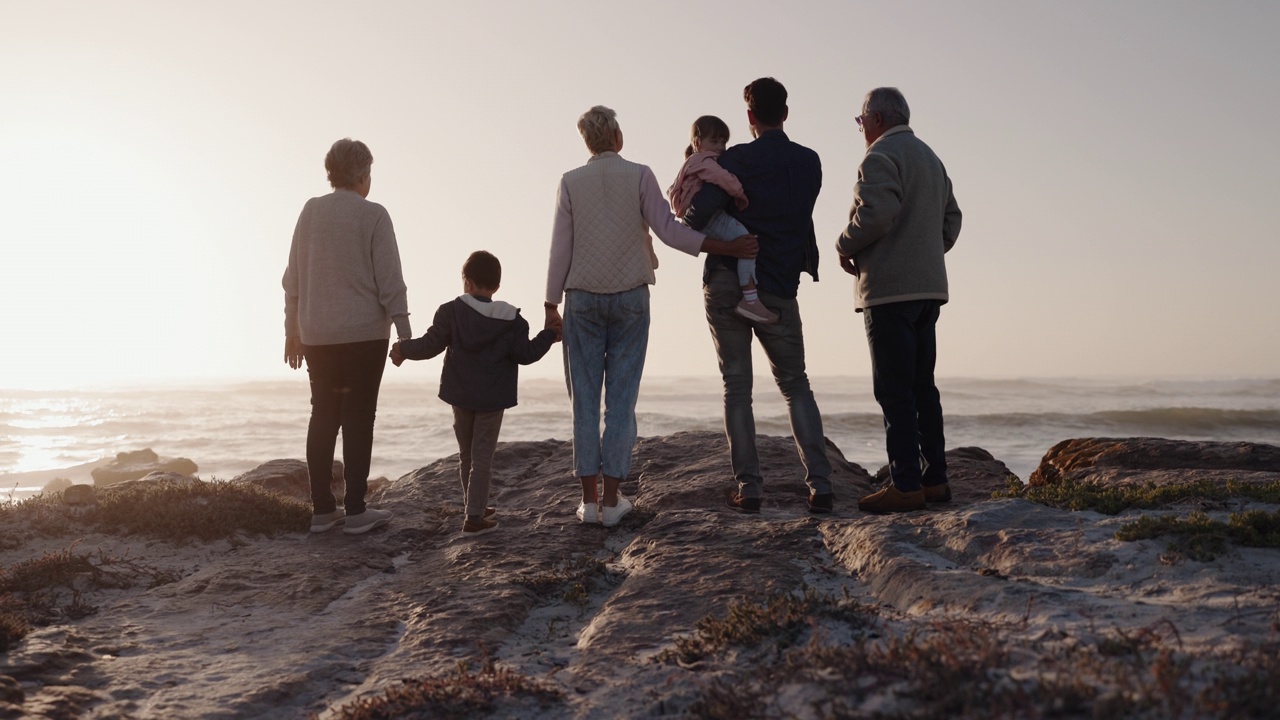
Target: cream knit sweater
344,282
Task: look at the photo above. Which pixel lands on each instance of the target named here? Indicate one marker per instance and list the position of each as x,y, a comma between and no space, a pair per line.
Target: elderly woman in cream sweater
343,290
602,264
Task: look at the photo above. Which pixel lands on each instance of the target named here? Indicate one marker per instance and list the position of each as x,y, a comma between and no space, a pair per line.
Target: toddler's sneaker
366,521
611,516
327,521
755,310
478,526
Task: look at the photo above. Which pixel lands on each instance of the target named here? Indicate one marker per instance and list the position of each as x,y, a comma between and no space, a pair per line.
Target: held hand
848,265
293,352
555,322
397,355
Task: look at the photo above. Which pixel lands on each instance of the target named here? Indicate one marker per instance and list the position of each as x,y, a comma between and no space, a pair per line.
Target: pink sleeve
707,169
657,213
561,246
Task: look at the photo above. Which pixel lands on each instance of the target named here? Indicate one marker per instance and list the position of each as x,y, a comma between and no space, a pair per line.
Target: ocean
230,428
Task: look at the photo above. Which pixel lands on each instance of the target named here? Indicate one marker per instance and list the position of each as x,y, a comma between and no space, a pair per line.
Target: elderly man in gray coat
904,219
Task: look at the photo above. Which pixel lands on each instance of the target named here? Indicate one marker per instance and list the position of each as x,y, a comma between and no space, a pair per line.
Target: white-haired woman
343,291
602,264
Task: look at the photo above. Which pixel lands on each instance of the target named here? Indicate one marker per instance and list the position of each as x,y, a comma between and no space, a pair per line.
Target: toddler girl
708,139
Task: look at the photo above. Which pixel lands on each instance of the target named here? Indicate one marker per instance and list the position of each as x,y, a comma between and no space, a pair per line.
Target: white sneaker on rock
587,513
366,521
611,516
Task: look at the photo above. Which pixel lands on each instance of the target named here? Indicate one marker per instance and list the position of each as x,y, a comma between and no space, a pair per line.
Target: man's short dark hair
767,99
483,269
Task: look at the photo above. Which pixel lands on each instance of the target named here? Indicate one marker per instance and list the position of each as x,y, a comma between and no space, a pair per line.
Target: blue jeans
783,344
605,341
903,351
722,226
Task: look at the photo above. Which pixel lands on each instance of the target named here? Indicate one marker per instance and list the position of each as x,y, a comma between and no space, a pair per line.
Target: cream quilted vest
612,249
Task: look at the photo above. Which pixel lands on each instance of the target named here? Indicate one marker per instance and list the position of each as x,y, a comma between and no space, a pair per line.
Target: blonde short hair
599,127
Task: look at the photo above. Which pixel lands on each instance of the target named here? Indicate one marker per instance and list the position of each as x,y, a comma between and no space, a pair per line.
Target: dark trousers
783,344
903,351
344,395
477,434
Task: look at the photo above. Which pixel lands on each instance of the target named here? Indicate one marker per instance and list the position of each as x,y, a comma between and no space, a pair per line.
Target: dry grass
573,580
59,586
968,669
491,692
779,620
177,512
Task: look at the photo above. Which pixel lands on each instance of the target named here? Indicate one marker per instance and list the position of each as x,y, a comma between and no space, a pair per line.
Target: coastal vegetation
1110,499
760,654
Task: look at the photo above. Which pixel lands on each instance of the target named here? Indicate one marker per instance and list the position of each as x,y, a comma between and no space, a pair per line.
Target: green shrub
1115,499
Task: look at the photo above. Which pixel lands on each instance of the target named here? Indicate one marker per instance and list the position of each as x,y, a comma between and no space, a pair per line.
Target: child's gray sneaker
366,521
328,521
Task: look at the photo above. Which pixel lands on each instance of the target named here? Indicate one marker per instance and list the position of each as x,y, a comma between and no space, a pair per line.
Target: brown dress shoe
472,527
891,500
937,493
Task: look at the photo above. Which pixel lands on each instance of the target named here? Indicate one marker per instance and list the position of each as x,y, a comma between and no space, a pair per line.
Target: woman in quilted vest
602,264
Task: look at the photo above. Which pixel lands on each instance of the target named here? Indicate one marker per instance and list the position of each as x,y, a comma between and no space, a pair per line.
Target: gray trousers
477,434
783,344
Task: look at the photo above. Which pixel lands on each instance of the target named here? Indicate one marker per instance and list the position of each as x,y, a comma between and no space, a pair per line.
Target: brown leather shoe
937,493
472,527
891,500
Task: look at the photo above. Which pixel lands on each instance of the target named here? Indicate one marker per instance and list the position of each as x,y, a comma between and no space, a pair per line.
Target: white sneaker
320,523
587,513
366,521
613,515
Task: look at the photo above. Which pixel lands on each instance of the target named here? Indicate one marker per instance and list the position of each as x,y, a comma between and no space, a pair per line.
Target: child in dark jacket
484,342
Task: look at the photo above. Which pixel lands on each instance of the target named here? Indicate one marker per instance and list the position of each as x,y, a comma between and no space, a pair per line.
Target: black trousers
904,349
344,395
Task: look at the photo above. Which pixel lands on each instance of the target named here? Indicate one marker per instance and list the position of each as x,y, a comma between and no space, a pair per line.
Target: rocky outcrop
304,624
289,477
134,465
972,473
1156,460
80,495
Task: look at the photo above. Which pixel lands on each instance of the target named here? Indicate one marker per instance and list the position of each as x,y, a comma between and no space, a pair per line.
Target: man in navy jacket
782,180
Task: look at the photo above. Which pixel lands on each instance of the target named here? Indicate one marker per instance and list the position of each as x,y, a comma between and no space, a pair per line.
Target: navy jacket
782,180
484,343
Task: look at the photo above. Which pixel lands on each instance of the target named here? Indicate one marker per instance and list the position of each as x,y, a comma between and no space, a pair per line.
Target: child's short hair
483,269
706,127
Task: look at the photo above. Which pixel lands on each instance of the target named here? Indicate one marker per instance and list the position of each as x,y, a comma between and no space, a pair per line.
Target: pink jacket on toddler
702,168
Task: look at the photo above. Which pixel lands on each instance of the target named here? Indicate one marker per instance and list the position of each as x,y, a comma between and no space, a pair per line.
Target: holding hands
553,320
397,355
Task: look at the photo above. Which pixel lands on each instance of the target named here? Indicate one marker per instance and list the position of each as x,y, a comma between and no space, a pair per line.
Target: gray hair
889,102
598,127
348,163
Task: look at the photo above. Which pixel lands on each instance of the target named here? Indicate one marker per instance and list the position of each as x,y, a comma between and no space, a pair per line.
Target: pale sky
1115,163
